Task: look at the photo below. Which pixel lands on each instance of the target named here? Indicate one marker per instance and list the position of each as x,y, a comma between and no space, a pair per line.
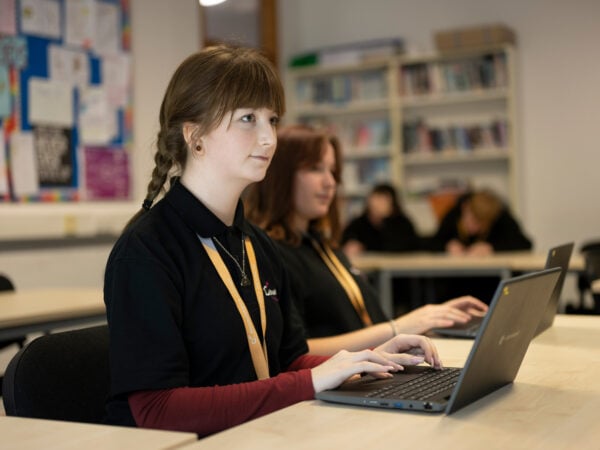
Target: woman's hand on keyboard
456,311
407,349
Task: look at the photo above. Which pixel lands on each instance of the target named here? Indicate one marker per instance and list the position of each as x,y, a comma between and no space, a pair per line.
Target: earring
198,148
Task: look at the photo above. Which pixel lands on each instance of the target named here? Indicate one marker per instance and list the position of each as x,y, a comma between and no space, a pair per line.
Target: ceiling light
210,2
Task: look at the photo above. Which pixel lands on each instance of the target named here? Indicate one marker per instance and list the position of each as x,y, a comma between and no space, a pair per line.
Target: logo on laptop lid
508,337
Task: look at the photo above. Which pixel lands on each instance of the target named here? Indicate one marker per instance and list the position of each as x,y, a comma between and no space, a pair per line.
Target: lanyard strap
345,279
260,358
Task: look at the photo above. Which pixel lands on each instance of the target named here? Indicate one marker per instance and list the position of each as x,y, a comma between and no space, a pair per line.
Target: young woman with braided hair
203,332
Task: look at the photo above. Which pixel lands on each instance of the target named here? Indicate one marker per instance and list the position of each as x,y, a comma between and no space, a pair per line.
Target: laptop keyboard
424,387
472,330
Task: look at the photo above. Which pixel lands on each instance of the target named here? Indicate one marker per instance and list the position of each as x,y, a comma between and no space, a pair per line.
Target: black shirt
320,298
396,234
172,321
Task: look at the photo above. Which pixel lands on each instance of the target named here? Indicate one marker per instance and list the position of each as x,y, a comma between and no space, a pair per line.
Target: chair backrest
6,284
591,256
60,376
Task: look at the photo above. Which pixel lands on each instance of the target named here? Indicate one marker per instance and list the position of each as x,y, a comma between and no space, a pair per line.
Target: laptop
558,256
493,362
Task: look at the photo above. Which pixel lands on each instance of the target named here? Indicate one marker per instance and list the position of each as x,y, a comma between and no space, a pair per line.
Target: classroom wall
559,101
163,34
558,82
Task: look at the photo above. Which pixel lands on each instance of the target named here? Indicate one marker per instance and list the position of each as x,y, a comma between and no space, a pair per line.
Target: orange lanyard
260,358
345,279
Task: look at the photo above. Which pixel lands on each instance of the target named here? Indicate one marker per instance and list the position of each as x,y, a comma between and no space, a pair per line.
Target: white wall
558,79
72,267
164,33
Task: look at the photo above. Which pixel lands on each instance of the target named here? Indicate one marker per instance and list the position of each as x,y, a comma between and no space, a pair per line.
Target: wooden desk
39,310
553,404
35,434
389,265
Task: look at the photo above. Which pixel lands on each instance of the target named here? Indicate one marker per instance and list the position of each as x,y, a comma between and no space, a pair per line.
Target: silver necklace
245,279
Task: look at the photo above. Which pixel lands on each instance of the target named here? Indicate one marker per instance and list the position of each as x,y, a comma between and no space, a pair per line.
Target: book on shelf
360,175
488,71
341,89
350,176
421,137
357,136
351,206
443,186
373,171
371,134
349,53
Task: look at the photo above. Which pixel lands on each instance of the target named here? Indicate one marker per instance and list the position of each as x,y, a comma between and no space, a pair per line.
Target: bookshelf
421,122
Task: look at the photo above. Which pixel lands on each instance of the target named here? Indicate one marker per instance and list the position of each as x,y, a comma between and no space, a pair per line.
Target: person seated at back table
296,204
382,227
480,224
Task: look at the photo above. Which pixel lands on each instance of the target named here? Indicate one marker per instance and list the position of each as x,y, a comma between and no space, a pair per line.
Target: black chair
591,257
60,376
7,285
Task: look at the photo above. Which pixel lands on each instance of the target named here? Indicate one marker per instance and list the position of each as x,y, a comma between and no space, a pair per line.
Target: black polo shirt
396,234
320,298
172,321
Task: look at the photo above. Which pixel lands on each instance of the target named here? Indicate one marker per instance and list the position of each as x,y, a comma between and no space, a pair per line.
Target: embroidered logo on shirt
270,292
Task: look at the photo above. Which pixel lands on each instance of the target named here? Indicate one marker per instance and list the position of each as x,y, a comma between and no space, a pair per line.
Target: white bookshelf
469,93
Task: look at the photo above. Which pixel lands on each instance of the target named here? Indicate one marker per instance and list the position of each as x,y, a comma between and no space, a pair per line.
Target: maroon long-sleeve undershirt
206,410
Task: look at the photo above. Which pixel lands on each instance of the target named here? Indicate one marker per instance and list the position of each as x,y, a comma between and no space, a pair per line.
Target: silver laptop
558,256
493,362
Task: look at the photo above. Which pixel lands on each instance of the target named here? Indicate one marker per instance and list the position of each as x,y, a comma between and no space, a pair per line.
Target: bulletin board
65,100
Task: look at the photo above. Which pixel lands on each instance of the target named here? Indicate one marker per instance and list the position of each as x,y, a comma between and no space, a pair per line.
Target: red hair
270,203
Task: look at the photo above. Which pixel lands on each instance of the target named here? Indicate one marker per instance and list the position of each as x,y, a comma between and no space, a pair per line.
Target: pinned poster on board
106,173
54,162
40,18
50,102
65,86
24,174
